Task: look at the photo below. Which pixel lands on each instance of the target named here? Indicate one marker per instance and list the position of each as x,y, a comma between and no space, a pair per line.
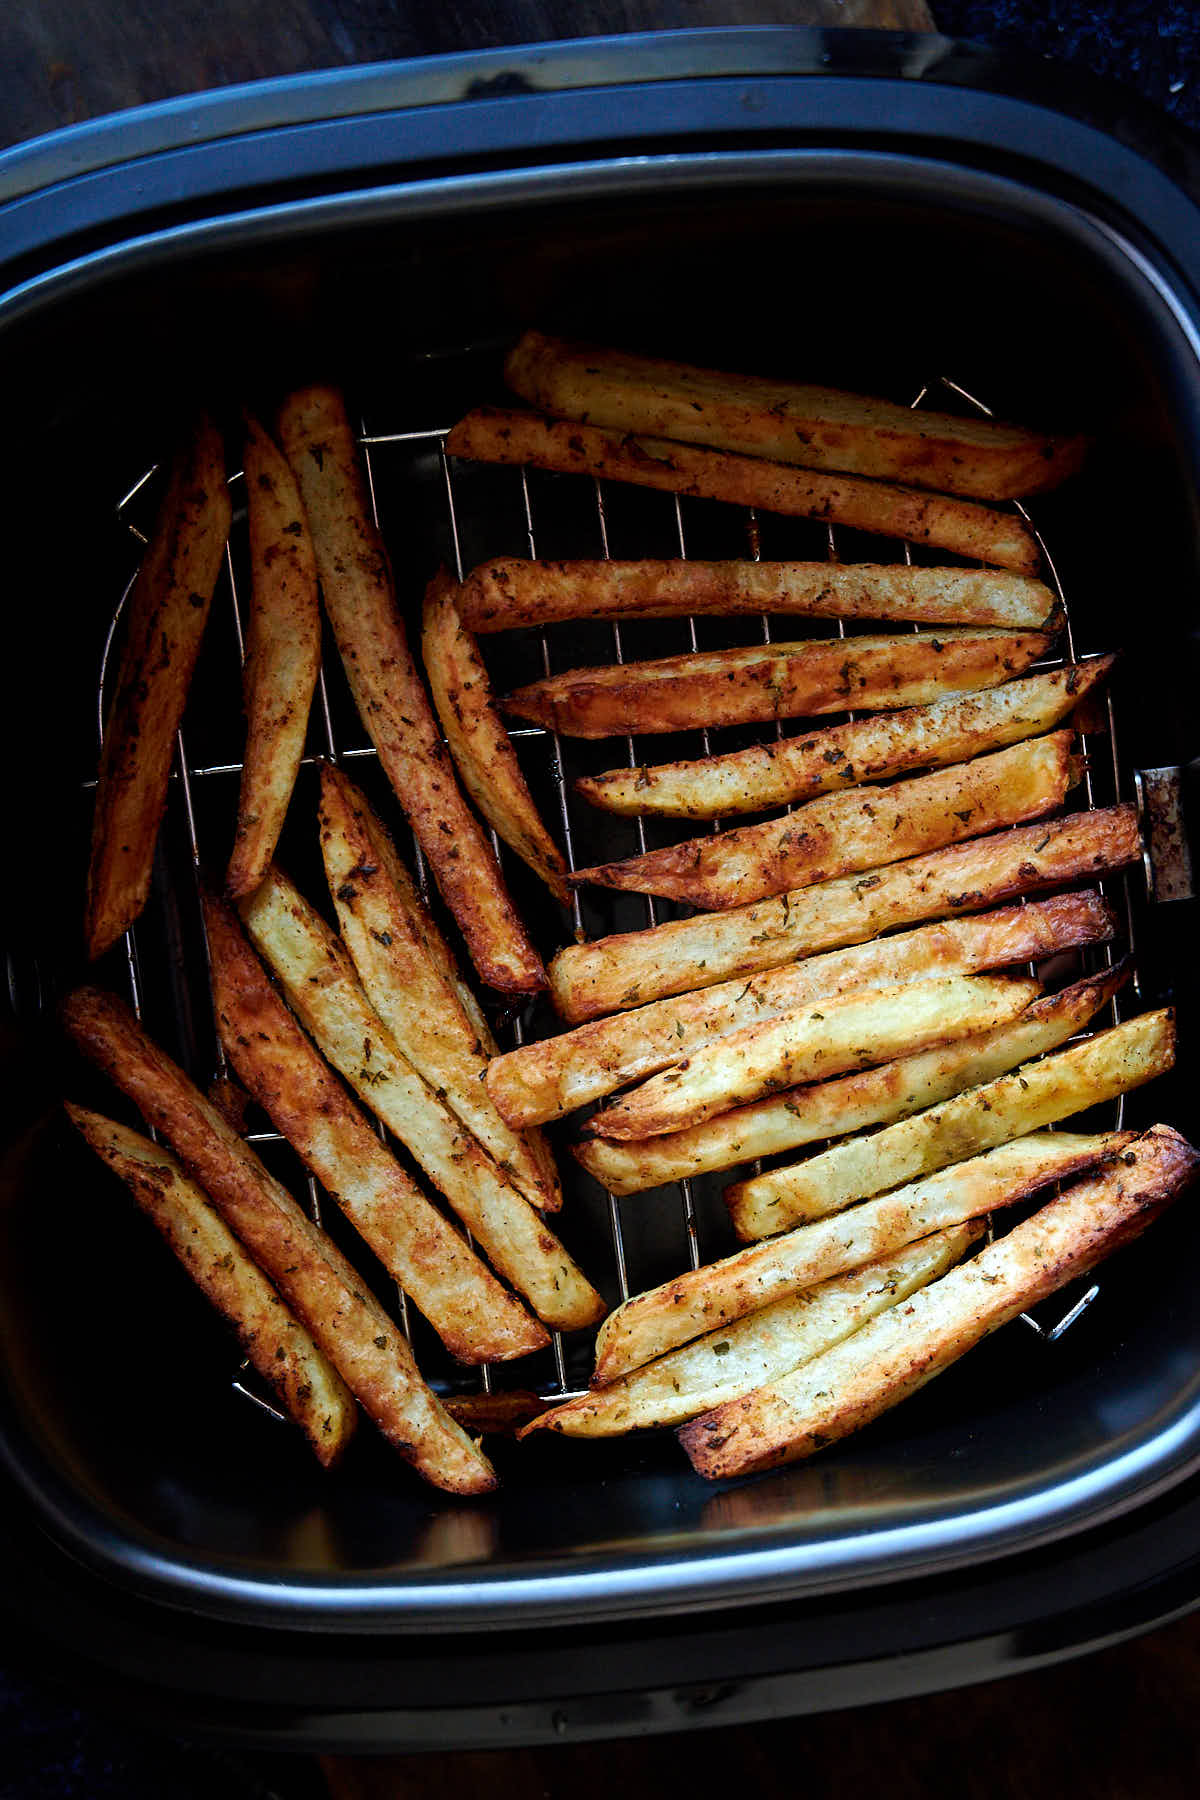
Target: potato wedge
283,656
166,613
545,1079
589,980
762,682
830,1109
319,981
942,521
844,834
849,1031
768,1343
895,1354
476,1318
653,1322
1034,1095
788,421
367,1348
512,591
481,748
308,1387
872,749
356,583
412,982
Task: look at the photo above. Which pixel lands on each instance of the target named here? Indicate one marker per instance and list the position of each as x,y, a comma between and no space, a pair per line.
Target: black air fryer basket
897,215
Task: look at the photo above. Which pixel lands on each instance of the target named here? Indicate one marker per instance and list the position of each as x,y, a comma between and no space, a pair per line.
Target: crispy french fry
320,983
830,1109
367,1348
476,1318
872,749
166,614
589,980
545,1079
1032,1096
768,1343
283,656
356,583
895,1354
414,986
309,1388
942,521
500,1414
849,1031
788,421
656,1321
843,834
511,591
763,682
481,748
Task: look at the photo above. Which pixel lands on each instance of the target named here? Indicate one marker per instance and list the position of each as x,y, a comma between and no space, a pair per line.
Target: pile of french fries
862,977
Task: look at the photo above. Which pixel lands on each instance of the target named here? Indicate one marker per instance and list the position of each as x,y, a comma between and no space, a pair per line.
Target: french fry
412,982
322,988
942,521
481,748
760,683
308,1387
768,1343
871,749
1034,1095
476,1318
654,1322
788,421
895,1354
849,1031
369,1351
512,591
543,1080
830,1109
590,980
166,613
356,583
844,834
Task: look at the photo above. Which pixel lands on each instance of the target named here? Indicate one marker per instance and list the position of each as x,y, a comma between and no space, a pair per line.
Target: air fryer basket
883,265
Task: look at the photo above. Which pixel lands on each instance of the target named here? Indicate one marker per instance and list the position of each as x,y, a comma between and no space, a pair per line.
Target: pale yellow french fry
651,1323
849,1031
897,1353
1032,1096
589,980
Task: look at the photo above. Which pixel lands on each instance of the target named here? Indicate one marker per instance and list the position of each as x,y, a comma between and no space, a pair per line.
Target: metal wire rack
1103,778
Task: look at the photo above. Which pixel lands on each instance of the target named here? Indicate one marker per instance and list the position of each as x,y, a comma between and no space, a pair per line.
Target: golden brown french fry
656,1321
765,1344
830,1109
283,656
413,984
369,1351
897,1353
499,1414
356,583
788,421
589,980
763,682
849,1031
481,748
322,988
308,1387
871,749
1032,1096
166,613
843,834
941,521
476,1318
512,591
553,1076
